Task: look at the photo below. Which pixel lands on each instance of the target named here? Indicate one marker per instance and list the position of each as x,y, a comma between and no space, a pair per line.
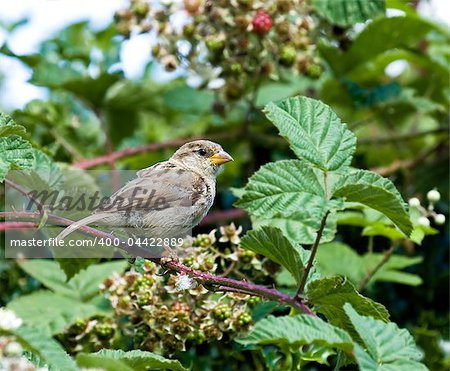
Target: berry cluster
89,335
167,313
229,46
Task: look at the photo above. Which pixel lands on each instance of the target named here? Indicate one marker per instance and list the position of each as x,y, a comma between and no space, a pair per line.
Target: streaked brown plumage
185,186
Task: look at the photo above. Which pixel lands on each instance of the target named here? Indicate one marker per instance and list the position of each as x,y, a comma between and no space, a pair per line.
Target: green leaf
383,230
271,242
382,34
387,346
338,258
314,132
8,127
328,295
82,287
288,194
49,311
45,347
15,152
346,13
135,360
296,331
376,192
300,227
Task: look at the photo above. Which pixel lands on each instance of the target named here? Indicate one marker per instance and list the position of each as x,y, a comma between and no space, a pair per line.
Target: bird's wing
161,186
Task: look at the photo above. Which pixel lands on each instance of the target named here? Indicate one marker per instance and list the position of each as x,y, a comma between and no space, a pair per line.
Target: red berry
262,23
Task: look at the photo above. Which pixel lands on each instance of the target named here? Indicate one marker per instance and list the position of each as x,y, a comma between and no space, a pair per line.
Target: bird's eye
202,152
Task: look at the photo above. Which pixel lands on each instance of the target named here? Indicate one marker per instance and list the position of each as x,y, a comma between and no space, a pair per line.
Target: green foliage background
400,125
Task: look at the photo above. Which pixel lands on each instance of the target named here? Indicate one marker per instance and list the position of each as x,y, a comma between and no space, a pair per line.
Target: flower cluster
228,45
433,198
166,313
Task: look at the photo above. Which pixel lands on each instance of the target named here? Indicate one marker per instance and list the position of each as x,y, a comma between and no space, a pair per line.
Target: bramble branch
218,283
387,255
113,156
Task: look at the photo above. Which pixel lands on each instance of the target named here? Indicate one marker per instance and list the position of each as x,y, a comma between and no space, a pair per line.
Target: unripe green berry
236,68
314,71
188,30
287,56
215,44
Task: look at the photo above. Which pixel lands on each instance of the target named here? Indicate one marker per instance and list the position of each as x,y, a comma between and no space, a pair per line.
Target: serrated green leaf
135,360
49,311
387,346
45,347
271,242
15,152
289,195
81,287
383,34
376,192
8,127
338,258
296,331
328,295
314,132
346,13
300,227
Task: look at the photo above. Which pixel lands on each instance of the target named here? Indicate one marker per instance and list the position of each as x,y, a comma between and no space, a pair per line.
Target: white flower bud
414,202
184,282
424,221
439,219
433,196
13,349
9,320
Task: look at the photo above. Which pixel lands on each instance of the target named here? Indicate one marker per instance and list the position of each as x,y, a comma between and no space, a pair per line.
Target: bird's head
202,156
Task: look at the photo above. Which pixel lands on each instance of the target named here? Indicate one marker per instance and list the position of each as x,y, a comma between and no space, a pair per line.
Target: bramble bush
320,264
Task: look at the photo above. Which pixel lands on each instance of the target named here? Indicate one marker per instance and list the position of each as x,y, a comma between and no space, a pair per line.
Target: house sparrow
167,199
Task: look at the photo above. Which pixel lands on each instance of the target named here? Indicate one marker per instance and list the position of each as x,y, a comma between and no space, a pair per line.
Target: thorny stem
301,286
387,255
207,279
27,194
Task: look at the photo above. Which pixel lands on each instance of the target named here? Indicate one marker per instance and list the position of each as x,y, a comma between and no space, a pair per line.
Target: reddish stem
16,225
222,283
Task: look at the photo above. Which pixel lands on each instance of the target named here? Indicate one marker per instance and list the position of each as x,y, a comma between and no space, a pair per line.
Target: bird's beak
221,157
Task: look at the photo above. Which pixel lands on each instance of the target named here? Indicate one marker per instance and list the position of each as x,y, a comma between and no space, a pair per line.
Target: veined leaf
338,258
295,331
289,195
50,312
15,152
328,295
301,227
135,360
270,242
45,347
8,127
376,192
283,186
348,12
314,132
81,287
388,347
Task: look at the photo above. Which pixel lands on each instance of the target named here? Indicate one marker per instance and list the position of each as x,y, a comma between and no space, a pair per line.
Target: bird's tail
80,223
